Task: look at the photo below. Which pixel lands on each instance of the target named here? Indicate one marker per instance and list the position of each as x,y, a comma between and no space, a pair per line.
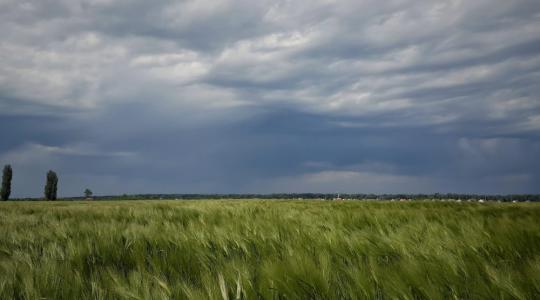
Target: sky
220,96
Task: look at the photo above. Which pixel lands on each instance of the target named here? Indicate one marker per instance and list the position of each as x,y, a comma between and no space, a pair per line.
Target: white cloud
341,58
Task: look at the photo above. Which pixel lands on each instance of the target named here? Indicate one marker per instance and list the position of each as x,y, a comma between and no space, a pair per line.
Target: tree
51,186
7,174
88,193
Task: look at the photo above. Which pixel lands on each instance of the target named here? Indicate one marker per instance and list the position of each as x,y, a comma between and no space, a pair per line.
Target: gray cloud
234,96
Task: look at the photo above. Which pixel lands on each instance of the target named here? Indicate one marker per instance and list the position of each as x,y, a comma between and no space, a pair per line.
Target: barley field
269,249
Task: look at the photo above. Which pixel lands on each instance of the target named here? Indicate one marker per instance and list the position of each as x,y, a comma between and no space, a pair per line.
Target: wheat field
269,249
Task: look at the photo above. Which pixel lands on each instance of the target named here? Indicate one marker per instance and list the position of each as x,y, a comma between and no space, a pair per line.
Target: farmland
286,249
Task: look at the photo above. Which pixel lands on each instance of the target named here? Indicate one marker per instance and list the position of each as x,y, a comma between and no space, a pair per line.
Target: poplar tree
51,186
7,175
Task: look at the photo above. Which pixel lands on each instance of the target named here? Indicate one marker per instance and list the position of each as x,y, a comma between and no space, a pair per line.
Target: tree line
323,196
51,188
51,184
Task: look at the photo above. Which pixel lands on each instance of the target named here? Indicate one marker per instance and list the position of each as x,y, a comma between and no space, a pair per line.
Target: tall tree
88,193
7,174
51,186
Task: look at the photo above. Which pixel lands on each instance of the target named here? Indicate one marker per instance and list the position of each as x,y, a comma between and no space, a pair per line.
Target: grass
253,249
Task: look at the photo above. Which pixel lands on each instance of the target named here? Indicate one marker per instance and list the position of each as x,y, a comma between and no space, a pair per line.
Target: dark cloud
237,96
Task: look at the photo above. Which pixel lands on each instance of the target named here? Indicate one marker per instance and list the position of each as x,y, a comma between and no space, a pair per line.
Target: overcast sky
271,96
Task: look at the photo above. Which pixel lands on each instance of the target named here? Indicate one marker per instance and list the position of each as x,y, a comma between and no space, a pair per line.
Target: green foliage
87,193
7,175
51,186
253,249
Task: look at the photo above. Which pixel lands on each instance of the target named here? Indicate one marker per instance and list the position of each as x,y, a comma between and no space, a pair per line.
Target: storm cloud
271,96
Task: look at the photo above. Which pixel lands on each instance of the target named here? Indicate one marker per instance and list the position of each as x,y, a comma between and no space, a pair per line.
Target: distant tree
51,186
7,175
88,193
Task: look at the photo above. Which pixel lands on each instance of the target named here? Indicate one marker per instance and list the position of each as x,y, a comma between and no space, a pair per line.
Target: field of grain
254,249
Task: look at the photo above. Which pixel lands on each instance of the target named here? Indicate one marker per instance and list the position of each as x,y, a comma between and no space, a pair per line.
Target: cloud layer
271,96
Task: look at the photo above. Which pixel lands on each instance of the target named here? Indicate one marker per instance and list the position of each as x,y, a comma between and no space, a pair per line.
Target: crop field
255,249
